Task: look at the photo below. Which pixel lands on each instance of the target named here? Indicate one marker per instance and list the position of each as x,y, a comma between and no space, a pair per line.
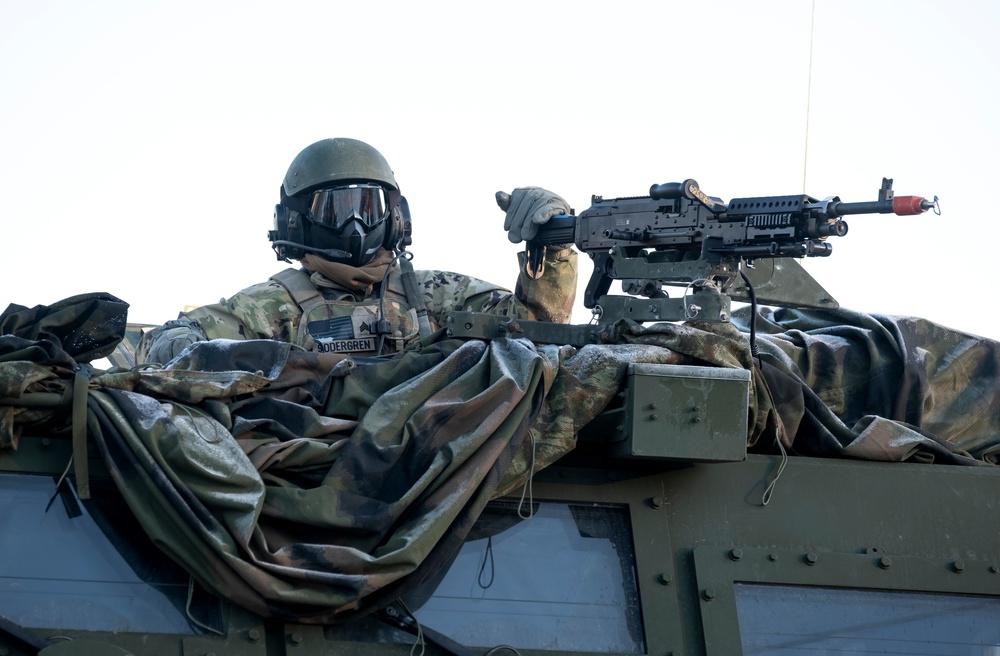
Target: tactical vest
344,325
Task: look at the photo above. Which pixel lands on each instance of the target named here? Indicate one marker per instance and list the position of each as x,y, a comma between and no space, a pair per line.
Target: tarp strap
81,383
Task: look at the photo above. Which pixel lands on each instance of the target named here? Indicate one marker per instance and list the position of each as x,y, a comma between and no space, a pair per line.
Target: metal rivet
665,578
652,417
296,638
736,554
656,502
708,594
773,557
958,566
253,635
994,569
811,558
885,562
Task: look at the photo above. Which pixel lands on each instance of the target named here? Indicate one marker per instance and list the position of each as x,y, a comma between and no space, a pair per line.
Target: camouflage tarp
880,387
308,486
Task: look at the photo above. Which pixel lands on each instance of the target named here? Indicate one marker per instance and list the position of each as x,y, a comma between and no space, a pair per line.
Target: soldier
342,216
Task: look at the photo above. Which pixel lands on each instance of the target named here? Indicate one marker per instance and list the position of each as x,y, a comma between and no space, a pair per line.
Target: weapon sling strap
413,296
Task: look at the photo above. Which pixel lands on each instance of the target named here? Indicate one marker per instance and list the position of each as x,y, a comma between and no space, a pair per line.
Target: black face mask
353,239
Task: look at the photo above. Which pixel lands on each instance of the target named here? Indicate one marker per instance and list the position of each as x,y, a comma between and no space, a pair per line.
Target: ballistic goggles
337,206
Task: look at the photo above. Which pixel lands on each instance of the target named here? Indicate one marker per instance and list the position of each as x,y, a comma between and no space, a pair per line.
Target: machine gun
679,236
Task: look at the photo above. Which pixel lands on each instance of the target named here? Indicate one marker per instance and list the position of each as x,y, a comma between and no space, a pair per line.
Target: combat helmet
339,200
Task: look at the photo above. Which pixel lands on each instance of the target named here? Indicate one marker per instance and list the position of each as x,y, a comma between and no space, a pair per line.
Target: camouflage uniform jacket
320,316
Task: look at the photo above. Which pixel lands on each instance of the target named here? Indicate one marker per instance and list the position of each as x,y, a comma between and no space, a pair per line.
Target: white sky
142,144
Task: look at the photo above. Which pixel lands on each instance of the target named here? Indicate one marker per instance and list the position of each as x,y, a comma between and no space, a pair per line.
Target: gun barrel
909,205
900,205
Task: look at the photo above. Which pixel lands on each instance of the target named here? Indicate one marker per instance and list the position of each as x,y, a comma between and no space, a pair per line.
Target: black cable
487,557
753,316
755,353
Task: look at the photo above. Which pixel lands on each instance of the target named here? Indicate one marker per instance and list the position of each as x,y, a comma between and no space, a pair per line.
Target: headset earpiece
288,233
393,231
400,232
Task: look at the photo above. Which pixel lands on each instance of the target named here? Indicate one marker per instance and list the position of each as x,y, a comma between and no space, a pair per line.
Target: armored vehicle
785,481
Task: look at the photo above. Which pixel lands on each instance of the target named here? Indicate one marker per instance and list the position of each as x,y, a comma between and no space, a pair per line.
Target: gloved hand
166,342
529,207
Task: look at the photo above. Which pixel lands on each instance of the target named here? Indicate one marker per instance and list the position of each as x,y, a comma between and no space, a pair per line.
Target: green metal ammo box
681,412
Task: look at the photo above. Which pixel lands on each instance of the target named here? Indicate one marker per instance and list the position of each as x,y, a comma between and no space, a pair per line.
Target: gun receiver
679,236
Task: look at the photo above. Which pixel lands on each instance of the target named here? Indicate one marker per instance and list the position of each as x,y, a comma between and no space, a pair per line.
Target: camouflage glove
530,207
166,342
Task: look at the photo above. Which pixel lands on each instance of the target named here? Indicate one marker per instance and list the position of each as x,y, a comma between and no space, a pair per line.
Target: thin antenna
805,156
